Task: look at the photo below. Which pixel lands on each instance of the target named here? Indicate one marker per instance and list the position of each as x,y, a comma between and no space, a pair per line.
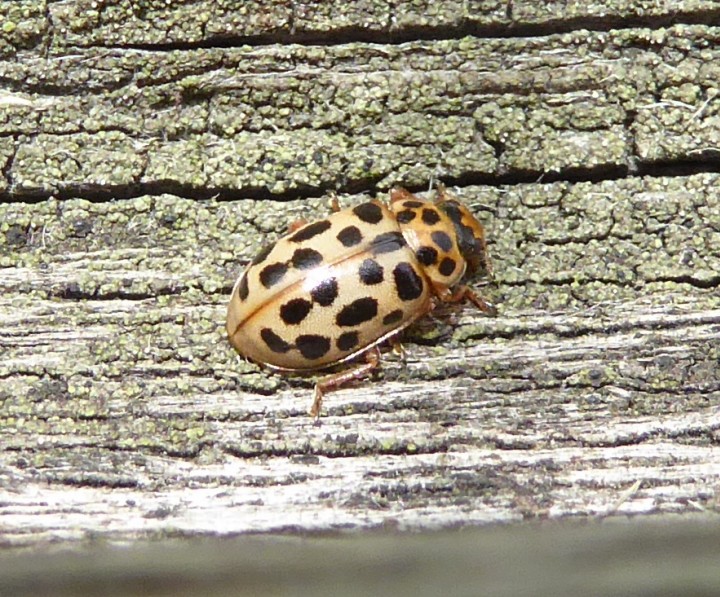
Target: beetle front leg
332,382
462,293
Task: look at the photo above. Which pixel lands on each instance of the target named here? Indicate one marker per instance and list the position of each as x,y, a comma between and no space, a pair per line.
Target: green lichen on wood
116,370
302,119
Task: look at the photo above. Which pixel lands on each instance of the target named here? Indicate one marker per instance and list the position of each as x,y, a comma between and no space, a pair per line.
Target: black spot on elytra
368,212
357,312
294,311
348,341
325,293
442,240
405,216
350,236
413,204
387,242
427,255
430,216
408,284
306,258
272,274
310,231
243,290
273,341
262,255
393,317
447,266
371,272
312,346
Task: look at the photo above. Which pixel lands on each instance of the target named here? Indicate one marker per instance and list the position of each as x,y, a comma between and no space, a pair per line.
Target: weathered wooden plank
124,413
594,376
594,560
120,24
289,120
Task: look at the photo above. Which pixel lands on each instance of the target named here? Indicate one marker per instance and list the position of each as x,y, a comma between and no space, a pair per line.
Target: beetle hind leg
334,381
334,202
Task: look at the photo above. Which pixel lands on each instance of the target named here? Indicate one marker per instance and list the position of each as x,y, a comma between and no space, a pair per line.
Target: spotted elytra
333,290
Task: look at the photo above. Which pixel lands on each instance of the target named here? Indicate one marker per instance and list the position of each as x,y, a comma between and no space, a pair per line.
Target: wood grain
148,152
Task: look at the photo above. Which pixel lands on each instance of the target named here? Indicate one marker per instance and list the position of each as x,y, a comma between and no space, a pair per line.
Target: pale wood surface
589,152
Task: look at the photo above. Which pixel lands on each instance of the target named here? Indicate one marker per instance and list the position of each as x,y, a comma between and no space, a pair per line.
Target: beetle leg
296,225
462,293
485,260
400,194
398,349
334,381
441,193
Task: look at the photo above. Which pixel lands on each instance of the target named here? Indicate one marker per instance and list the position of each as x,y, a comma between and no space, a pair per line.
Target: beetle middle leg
334,381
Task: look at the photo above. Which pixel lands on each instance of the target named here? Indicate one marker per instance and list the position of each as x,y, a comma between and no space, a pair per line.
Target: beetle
333,290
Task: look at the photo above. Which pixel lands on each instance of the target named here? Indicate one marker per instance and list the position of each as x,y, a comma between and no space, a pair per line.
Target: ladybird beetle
333,290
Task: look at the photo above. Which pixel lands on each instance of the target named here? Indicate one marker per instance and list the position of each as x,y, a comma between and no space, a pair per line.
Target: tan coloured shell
337,287
327,291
